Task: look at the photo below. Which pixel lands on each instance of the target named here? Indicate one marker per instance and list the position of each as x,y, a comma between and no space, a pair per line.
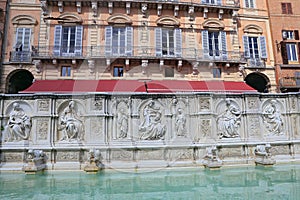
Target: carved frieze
13,157
205,127
204,104
43,105
254,126
67,156
122,155
97,126
42,129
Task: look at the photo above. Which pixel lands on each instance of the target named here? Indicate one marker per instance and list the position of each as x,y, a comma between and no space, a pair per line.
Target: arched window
119,36
24,28
168,37
255,47
68,38
214,42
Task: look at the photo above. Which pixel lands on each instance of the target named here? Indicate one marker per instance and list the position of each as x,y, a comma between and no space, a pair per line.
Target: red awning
133,86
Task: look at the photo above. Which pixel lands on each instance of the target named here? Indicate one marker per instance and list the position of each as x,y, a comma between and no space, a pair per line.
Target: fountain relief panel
152,126
18,126
272,118
229,119
71,122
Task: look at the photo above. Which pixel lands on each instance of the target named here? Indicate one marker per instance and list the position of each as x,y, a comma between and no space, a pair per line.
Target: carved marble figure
229,121
151,127
71,124
180,123
272,119
122,124
19,124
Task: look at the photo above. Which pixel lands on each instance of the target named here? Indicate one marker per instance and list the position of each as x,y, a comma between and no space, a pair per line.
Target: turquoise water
278,182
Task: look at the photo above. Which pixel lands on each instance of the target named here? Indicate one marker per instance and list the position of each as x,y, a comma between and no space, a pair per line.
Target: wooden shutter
283,8
289,8
263,47
178,42
224,45
284,56
108,40
78,40
129,40
297,77
158,42
57,40
205,43
296,34
246,46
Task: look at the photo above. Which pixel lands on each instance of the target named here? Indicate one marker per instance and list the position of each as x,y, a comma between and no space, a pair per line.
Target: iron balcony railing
20,56
256,62
138,52
289,82
213,3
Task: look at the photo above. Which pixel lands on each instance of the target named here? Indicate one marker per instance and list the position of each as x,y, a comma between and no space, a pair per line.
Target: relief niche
152,125
229,120
19,124
71,124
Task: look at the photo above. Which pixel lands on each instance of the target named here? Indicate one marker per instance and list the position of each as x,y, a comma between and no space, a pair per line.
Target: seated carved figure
71,124
152,128
19,124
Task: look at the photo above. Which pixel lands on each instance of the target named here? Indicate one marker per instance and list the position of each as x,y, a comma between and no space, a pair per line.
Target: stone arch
253,29
24,20
213,24
168,21
19,80
119,19
71,17
258,81
27,108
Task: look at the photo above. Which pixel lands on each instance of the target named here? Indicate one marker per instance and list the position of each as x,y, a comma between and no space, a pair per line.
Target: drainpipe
4,39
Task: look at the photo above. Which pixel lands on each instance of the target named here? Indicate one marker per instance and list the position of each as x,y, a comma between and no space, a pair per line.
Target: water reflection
278,182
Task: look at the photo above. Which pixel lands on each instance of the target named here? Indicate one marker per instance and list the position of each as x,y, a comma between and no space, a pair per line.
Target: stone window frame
24,21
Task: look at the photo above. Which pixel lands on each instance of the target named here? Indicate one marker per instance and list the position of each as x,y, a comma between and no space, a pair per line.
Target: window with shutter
297,77
219,2
291,52
224,45
263,47
68,40
205,45
246,47
23,37
108,40
284,53
178,42
57,40
158,42
249,3
286,8
119,41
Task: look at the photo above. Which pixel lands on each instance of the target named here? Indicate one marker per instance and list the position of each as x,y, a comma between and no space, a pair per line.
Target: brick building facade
203,40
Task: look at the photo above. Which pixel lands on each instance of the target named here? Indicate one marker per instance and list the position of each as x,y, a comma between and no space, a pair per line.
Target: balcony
230,4
20,56
140,52
256,63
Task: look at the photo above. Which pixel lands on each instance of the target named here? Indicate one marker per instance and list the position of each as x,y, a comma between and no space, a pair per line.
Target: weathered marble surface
135,130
